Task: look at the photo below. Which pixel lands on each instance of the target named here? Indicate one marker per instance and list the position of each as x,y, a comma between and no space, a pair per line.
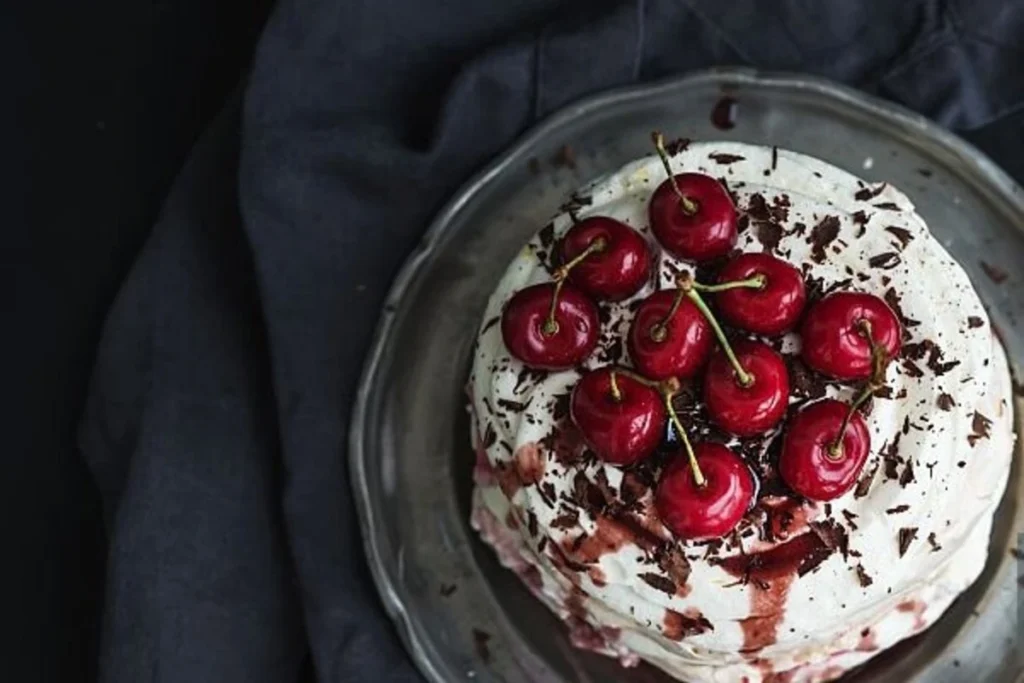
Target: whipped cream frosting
801,591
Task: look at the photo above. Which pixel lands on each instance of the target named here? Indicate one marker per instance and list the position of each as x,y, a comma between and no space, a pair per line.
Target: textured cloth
216,422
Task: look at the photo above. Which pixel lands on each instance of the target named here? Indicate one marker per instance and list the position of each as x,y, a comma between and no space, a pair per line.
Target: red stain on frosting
677,626
508,479
915,607
867,641
529,463
609,537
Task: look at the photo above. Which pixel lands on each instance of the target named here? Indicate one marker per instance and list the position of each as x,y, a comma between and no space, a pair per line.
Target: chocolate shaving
863,577
566,520
995,273
480,640
725,159
945,402
769,235
893,300
812,560
902,234
860,219
805,383
775,157
888,206
822,236
886,261
673,562
659,582
908,474
633,488
981,426
489,324
906,536
866,193
898,509
864,483
676,146
850,516
975,321
912,369
833,535
531,523
514,406
934,543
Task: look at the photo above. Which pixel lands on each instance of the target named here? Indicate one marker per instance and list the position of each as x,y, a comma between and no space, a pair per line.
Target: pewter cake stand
461,615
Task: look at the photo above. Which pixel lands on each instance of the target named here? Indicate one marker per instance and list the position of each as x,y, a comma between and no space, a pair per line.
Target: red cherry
532,338
834,338
770,309
620,418
810,462
615,271
692,511
667,343
699,227
746,410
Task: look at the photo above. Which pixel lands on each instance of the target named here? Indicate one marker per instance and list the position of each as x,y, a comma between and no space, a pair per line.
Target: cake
748,422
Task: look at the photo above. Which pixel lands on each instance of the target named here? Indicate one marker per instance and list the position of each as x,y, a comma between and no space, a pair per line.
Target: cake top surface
794,571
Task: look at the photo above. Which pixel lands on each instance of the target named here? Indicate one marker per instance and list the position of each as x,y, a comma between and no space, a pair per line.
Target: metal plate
410,454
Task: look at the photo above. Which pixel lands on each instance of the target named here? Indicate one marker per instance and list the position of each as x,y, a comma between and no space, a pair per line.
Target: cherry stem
686,285
668,390
616,392
879,363
597,246
660,329
550,325
759,281
688,205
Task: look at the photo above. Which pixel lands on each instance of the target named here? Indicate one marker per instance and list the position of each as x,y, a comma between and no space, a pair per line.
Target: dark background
101,104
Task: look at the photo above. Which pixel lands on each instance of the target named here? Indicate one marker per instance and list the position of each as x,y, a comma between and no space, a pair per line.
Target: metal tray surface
410,453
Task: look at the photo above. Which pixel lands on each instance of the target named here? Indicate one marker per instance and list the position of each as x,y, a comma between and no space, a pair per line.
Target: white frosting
951,497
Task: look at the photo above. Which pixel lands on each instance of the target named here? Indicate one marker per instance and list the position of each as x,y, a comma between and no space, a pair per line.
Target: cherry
838,333
827,443
618,262
550,326
747,408
693,510
691,214
669,337
759,293
620,417
815,462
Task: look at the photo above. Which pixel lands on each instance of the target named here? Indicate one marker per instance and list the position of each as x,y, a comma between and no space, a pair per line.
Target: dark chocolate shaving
902,234
898,509
725,159
822,236
934,543
906,536
676,146
659,582
862,576
981,426
975,321
864,483
866,193
945,402
886,261
888,206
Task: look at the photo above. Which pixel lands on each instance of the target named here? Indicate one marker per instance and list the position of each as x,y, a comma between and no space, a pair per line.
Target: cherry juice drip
723,116
770,575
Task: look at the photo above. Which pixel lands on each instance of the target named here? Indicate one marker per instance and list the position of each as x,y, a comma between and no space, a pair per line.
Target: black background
103,101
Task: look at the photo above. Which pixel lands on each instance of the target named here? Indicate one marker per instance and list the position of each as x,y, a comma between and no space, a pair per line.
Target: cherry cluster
622,412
